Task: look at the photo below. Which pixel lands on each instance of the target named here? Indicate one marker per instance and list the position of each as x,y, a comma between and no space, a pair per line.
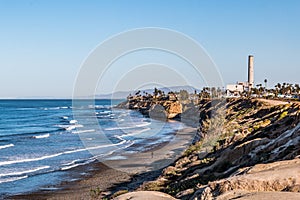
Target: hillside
239,145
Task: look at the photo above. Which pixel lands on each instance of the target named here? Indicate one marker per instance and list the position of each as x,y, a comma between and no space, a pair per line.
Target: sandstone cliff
240,143
161,108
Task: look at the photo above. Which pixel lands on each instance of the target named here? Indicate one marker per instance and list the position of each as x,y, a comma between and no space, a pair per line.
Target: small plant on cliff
193,149
152,186
283,115
95,193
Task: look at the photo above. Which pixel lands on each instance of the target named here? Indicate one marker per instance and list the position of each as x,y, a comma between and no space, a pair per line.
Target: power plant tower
250,72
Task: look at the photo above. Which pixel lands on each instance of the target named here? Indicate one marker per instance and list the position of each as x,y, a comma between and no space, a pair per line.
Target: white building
235,89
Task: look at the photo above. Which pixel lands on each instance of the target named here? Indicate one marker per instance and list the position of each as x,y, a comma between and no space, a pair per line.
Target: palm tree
278,88
278,85
155,93
276,91
219,92
266,83
255,91
213,92
138,92
289,88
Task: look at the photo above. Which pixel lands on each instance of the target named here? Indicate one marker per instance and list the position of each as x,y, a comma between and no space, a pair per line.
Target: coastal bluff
244,149
154,107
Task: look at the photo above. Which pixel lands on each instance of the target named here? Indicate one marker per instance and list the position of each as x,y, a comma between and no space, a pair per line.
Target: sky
44,43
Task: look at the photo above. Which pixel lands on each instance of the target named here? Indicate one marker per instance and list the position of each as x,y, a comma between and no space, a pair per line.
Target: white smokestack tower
250,72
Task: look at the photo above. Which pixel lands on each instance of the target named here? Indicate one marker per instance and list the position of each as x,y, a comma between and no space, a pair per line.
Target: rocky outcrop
156,108
173,109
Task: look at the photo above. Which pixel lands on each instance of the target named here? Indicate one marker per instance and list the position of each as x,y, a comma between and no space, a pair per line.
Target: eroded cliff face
235,139
156,108
173,109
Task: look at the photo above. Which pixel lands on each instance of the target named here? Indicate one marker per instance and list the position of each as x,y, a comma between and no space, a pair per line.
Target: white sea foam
70,127
105,111
5,180
54,108
65,117
98,106
143,124
73,121
74,164
24,172
73,127
9,162
6,146
71,166
83,131
42,136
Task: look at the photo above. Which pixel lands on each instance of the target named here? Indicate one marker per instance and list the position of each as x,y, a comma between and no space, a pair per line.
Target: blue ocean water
40,141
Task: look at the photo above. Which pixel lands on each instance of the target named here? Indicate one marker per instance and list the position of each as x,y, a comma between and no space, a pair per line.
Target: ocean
41,141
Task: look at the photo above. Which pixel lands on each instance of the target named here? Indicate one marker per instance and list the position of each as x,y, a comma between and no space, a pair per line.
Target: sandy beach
105,178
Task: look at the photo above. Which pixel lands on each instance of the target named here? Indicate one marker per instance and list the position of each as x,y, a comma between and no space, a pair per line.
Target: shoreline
105,178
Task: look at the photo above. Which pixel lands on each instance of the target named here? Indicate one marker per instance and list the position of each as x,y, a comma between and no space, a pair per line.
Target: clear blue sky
43,43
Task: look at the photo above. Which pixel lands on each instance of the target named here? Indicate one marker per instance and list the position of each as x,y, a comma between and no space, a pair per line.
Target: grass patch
152,186
283,115
95,193
193,149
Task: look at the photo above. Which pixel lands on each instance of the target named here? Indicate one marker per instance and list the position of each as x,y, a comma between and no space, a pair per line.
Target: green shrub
94,193
152,186
283,115
193,148
256,127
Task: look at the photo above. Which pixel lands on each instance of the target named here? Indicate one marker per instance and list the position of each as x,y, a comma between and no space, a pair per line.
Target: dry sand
145,195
